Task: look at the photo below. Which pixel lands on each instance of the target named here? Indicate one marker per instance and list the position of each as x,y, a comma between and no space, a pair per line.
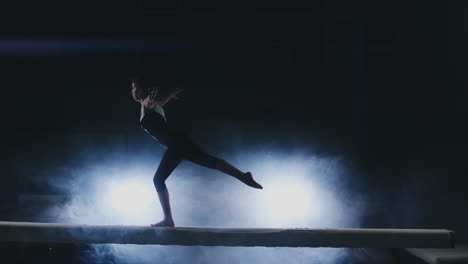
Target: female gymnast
178,145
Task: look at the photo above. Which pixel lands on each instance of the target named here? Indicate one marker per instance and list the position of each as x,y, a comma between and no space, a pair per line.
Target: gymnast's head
141,89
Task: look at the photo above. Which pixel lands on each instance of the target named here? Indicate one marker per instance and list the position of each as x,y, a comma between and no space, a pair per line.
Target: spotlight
286,202
131,197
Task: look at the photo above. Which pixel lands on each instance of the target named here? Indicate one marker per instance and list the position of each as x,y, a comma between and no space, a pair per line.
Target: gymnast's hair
143,87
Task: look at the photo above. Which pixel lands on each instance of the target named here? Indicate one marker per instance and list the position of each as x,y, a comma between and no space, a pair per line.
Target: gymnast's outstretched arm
150,101
165,99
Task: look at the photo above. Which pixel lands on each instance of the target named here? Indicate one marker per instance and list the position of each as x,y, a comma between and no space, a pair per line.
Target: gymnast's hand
164,100
174,93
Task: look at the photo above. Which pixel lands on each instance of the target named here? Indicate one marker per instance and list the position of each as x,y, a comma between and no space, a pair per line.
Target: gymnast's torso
154,122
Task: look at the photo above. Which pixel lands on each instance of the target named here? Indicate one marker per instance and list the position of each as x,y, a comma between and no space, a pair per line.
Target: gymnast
177,144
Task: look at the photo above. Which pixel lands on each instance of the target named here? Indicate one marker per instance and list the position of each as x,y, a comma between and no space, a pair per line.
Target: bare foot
248,179
164,223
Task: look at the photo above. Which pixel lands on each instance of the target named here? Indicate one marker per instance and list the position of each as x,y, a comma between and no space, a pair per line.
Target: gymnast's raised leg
196,155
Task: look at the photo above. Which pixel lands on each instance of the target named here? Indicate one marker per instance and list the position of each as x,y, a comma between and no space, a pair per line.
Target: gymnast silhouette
178,145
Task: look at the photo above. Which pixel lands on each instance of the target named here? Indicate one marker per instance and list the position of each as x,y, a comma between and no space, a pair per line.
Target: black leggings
181,148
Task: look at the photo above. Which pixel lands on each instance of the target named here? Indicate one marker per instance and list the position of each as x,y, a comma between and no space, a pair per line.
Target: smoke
301,190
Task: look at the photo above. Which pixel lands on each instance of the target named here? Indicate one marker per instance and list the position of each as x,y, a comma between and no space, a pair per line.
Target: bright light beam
131,198
74,45
298,191
287,201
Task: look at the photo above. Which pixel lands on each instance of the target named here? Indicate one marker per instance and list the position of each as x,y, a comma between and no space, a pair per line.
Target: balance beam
208,236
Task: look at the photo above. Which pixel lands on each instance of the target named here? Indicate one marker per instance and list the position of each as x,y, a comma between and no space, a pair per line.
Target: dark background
379,83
